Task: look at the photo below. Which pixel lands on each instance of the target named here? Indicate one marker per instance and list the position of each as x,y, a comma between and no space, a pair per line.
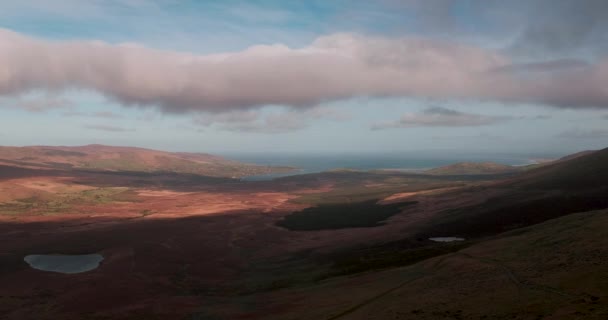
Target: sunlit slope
109,158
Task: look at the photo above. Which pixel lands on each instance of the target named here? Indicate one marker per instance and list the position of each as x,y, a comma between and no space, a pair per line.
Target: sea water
313,163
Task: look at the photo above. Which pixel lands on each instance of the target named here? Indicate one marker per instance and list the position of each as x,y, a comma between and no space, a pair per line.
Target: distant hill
587,169
110,158
464,168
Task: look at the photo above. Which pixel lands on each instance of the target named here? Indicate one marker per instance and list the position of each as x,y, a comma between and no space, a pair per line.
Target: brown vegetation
194,247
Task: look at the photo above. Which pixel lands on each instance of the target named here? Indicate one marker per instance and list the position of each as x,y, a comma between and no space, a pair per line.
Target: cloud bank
42,104
563,28
440,117
584,134
256,121
107,128
333,67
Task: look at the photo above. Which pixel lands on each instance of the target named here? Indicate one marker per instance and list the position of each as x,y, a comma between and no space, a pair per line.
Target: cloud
327,113
587,134
440,117
108,128
229,117
542,117
74,113
533,117
99,114
563,28
147,116
276,121
39,104
543,66
481,136
254,122
333,67
107,115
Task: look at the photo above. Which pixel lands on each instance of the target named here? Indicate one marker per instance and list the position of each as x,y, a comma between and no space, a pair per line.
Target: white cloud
333,67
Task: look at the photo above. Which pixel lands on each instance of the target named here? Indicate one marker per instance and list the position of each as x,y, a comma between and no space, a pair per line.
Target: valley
178,245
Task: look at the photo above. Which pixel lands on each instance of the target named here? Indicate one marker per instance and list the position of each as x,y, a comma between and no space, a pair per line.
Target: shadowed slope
586,170
552,270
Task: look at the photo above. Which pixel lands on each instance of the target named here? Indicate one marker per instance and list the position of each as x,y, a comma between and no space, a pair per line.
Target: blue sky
305,76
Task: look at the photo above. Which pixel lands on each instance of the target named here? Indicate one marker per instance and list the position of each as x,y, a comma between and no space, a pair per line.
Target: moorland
183,237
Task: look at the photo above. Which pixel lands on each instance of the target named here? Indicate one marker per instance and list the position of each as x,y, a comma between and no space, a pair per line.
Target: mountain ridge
462,168
98,157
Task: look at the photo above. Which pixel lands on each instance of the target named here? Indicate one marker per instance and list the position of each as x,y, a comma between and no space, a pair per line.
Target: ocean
312,163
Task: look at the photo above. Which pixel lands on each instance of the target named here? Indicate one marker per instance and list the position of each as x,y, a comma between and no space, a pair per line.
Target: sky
315,76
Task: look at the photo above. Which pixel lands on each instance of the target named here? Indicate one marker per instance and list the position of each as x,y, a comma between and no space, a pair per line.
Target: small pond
64,263
446,239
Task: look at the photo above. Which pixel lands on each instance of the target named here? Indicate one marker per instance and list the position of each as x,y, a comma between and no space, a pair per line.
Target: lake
68,264
446,239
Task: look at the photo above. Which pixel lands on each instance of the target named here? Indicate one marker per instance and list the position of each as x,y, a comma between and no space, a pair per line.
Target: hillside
534,249
110,158
464,168
578,171
536,195
576,155
548,271
527,251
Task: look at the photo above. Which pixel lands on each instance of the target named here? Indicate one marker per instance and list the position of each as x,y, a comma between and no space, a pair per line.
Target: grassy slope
565,187
551,270
554,270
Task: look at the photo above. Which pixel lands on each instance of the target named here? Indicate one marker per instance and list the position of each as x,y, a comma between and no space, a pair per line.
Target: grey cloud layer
564,28
251,121
333,67
588,134
537,28
42,105
108,128
440,117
